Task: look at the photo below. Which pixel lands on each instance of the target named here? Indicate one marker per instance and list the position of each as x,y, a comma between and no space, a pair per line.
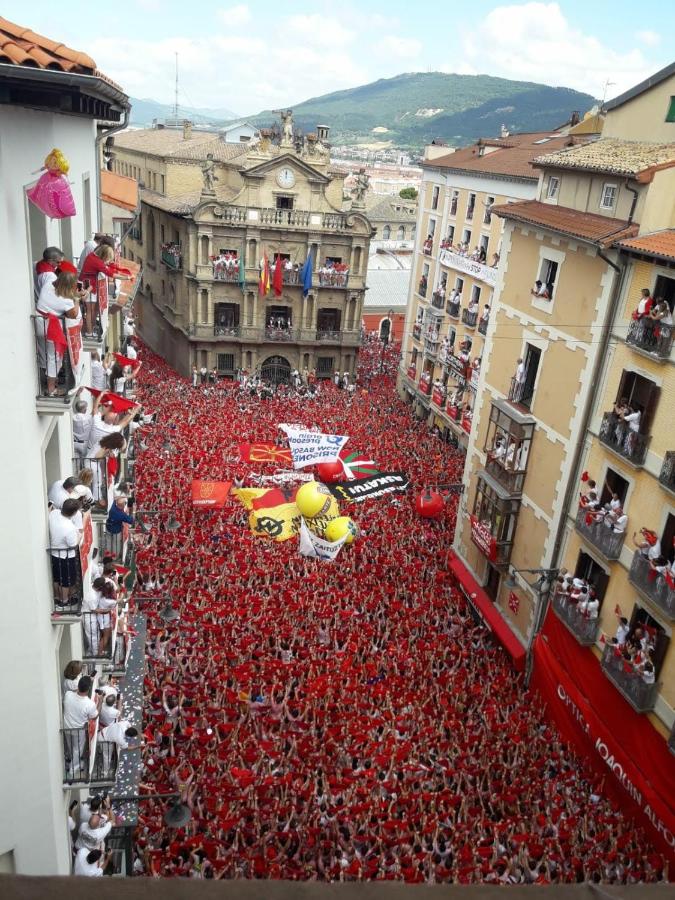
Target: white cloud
650,38
398,47
235,16
535,42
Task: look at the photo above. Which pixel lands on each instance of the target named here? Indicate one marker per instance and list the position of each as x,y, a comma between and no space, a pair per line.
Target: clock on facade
285,178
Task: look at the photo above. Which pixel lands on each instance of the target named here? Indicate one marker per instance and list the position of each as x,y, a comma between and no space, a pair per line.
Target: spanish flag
264,282
273,511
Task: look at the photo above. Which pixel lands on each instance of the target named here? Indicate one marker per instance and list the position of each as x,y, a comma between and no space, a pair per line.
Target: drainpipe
572,484
105,133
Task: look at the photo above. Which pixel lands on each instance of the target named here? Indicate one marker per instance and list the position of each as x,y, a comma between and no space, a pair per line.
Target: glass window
386,232
608,198
552,187
670,115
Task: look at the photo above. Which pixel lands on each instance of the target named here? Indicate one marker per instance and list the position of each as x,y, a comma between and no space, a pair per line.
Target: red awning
488,611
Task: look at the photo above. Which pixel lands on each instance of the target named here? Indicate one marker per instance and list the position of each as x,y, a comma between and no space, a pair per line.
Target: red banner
483,538
452,410
265,451
617,741
210,494
425,386
74,335
412,371
87,541
102,294
466,424
437,397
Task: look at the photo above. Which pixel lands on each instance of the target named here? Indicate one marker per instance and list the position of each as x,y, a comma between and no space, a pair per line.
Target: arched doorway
276,369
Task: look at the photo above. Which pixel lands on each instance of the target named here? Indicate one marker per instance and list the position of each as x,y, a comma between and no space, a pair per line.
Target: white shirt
620,524
108,714
50,302
99,375
99,429
77,710
622,634
63,535
82,867
89,247
520,372
81,425
115,732
92,838
131,352
58,495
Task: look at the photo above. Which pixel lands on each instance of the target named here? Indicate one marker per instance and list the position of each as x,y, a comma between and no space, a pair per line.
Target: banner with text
309,448
366,488
318,548
210,494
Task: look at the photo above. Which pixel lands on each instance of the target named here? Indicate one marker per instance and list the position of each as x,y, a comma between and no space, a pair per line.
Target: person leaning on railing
64,540
58,299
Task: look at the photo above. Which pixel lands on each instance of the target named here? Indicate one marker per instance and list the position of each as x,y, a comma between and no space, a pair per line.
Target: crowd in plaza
339,721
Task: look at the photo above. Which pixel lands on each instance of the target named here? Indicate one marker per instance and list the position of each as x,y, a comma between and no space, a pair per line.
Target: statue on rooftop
208,174
360,187
286,126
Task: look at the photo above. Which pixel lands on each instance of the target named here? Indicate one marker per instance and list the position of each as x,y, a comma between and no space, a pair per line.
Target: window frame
670,113
548,255
552,195
605,186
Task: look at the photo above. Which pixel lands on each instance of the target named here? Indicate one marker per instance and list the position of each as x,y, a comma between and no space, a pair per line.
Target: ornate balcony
469,318
652,585
246,333
453,308
650,336
283,335
438,300
224,272
335,278
172,256
618,437
627,681
604,539
483,326
584,629
227,331
667,473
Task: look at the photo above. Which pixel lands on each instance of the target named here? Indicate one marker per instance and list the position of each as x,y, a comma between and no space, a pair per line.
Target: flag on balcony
306,276
278,280
264,281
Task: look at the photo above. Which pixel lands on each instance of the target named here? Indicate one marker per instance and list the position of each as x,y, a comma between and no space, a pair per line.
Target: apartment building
575,391
455,269
212,216
51,96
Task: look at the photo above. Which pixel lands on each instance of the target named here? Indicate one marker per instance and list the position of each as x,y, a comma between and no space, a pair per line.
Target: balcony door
226,315
532,360
328,320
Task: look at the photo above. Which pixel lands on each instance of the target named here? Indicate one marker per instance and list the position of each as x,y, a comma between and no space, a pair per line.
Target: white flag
311,447
311,545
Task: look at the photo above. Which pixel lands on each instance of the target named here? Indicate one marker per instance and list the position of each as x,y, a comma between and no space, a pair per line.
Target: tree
408,193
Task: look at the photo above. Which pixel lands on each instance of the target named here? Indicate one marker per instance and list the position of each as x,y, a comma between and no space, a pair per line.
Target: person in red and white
46,268
59,299
645,304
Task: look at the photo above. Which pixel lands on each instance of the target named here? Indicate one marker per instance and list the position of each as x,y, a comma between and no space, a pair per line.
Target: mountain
413,108
144,111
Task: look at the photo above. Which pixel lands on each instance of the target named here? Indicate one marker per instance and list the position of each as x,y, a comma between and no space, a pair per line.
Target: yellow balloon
339,527
313,499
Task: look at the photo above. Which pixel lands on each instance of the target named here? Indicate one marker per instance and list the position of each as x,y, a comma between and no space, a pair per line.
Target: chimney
575,118
187,130
504,131
322,132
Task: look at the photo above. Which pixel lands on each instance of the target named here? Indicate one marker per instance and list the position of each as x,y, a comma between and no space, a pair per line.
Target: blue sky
262,54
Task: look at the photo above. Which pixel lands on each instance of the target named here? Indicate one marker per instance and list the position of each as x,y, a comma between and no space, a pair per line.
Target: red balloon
330,472
429,505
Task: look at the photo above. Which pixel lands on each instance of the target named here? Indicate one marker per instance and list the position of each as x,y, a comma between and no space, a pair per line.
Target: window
37,229
284,203
595,575
451,234
471,206
641,395
552,187
670,115
500,514
425,270
608,197
453,203
226,316
466,236
487,215
432,227
660,640
507,448
459,285
475,294
548,272
328,320
434,197
161,184
614,484
225,362
522,385
325,366
386,233
413,231
483,243
400,234
664,289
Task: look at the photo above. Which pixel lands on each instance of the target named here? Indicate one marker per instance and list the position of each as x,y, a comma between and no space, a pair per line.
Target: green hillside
418,106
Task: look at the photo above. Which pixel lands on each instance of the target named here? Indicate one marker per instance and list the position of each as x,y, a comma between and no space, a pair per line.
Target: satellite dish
177,815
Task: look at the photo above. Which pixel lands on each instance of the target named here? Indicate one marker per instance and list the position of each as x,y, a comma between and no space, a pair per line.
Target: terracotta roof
119,190
614,156
20,46
506,156
659,244
391,209
185,204
585,226
169,143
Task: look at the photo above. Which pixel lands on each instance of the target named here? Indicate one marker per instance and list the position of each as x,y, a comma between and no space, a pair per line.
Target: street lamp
386,337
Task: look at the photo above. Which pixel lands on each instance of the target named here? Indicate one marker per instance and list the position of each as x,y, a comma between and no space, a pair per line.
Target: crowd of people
339,721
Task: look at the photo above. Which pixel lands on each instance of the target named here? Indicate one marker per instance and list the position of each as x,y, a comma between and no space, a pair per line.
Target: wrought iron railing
226,330
483,326
619,437
330,278
521,393
629,682
601,536
55,375
584,629
86,758
278,334
667,473
469,318
651,336
652,584
453,308
67,581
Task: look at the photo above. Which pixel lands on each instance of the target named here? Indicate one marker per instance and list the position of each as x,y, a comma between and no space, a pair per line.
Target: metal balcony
86,758
584,629
652,585
57,379
227,331
223,272
283,335
483,326
99,636
67,583
438,300
650,336
618,437
667,473
603,538
452,309
627,681
328,278
469,318
172,257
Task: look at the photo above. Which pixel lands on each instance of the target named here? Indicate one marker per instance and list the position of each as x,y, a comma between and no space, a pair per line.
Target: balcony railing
328,278
602,537
627,681
172,256
99,479
226,330
328,335
461,263
667,473
438,396
616,434
295,217
224,272
426,249
483,326
438,300
86,758
453,308
652,584
246,332
431,346
422,288
521,393
278,334
651,336
118,664
99,634
508,478
584,629
417,331
56,371
67,581
469,318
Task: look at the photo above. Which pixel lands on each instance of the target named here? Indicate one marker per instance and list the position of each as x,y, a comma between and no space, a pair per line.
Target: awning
488,611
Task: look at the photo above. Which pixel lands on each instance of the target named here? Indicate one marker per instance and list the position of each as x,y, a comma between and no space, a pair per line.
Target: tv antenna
608,84
175,101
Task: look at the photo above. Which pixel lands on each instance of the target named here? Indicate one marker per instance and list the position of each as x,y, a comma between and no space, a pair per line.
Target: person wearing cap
58,299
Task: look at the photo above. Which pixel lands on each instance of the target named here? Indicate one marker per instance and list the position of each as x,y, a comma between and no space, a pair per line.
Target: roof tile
659,244
585,226
22,47
611,155
169,142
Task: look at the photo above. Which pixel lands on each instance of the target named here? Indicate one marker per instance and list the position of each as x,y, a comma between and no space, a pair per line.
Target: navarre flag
210,494
357,464
316,547
273,511
311,447
278,280
264,280
265,452
306,276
